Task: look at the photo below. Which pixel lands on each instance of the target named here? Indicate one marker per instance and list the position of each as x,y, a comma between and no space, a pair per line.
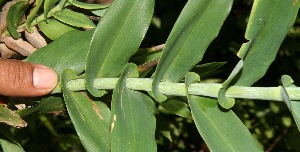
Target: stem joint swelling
178,89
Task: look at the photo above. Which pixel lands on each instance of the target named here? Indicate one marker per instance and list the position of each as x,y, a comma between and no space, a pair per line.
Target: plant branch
178,89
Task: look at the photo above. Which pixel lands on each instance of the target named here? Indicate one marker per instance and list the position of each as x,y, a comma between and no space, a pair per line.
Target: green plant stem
178,89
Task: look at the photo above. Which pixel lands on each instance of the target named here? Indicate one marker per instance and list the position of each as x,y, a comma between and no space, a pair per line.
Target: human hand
18,78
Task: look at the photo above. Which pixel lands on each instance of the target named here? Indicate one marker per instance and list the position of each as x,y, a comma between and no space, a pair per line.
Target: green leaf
88,6
54,29
8,117
207,68
99,12
215,124
269,22
146,57
198,24
133,123
224,101
177,107
67,52
116,38
31,16
46,105
14,17
8,140
90,118
73,18
162,126
8,145
221,130
48,4
294,106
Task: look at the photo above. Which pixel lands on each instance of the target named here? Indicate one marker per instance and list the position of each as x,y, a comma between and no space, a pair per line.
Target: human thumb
18,78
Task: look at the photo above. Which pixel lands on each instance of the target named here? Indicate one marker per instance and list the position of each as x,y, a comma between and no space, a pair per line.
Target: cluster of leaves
128,120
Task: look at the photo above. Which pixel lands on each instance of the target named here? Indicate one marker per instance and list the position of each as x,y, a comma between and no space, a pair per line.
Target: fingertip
44,78
18,78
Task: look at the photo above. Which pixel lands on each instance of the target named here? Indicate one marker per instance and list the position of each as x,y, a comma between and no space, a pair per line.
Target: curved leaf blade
73,18
198,24
67,52
90,120
54,29
116,38
267,16
48,4
177,107
215,124
46,105
89,6
9,117
294,106
8,145
133,123
31,16
14,17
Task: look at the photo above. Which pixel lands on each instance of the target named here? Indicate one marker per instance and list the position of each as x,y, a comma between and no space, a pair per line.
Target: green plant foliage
99,12
257,55
7,145
207,68
81,113
91,119
14,17
177,107
8,117
73,18
294,106
126,23
31,16
48,4
214,123
133,123
46,105
188,41
67,52
53,29
88,6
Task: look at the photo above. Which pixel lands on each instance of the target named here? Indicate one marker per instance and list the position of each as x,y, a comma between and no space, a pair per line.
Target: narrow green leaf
207,68
221,130
99,12
224,101
146,57
54,29
177,107
62,4
48,4
133,123
46,105
31,16
73,18
90,120
88,6
269,22
162,126
116,38
198,24
8,145
9,117
14,17
67,52
294,106
8,140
